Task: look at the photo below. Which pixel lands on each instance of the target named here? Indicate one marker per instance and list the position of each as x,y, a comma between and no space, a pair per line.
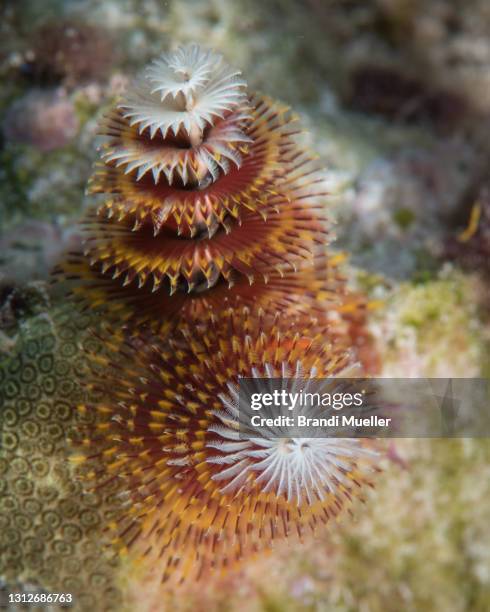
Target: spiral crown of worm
208,202
208,256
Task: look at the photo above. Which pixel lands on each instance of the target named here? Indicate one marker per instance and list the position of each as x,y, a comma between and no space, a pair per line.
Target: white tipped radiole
182,72
302,469
183,122
184,90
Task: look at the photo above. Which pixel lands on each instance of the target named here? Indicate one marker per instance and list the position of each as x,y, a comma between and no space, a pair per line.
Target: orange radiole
208,257
208,203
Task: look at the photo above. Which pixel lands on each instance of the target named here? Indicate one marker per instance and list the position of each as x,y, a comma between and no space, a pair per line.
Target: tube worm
200,495
209,203
208,255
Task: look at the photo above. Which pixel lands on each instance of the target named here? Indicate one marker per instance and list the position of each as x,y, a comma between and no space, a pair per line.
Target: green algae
35,185
421,324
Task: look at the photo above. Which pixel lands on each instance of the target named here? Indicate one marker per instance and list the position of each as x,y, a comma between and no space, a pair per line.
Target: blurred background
395,95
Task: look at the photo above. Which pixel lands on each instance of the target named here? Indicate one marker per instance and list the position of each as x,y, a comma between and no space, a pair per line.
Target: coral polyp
198,495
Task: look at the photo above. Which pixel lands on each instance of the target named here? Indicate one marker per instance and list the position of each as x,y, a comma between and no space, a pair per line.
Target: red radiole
208,257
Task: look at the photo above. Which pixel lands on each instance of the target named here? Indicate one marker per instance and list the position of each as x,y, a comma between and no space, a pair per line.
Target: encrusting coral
50,525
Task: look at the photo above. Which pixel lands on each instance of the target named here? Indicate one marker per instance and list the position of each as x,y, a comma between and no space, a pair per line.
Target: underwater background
395,95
